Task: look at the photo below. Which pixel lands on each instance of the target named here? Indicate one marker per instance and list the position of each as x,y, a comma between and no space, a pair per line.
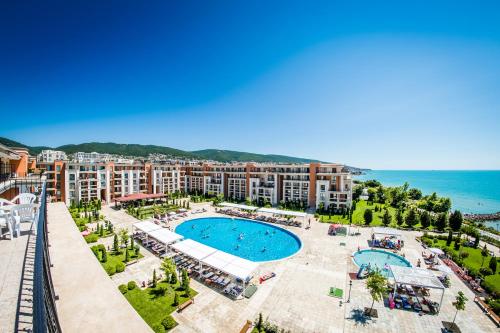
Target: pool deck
296,299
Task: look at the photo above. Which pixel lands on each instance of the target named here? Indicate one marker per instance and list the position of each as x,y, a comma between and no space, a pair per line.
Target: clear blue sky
387,86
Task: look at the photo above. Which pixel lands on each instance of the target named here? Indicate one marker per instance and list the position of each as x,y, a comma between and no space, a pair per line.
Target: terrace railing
45,317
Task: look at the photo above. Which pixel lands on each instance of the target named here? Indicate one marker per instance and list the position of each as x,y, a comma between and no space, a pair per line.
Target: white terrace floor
296,299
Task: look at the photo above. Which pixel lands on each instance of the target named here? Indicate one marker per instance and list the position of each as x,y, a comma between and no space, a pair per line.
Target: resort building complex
96,177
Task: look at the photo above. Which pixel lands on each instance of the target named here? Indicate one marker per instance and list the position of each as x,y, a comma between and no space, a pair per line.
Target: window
322,187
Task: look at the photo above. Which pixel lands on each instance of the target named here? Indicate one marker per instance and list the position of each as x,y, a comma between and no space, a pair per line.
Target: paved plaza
296,299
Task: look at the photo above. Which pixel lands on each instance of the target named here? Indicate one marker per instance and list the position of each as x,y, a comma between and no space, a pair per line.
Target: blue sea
470,191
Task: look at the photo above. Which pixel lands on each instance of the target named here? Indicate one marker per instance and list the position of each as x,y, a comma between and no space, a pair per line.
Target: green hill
145,150
230,155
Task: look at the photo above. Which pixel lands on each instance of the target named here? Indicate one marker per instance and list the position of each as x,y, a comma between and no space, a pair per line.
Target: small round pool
379,259
247,239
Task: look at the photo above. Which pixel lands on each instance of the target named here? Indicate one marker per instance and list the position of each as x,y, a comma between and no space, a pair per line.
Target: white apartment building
50,156
82,157
333,188
167,179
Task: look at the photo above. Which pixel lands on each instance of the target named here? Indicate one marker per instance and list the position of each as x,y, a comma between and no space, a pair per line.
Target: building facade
51,156
310,185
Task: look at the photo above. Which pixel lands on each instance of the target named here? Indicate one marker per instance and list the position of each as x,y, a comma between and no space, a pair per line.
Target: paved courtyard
296,299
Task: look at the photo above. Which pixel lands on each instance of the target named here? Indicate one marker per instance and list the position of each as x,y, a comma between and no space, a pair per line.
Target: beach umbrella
436,251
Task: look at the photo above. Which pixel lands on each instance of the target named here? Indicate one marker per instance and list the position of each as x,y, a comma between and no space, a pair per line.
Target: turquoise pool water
247,239
379,259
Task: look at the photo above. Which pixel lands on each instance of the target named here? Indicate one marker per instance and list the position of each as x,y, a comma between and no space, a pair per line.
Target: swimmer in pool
193,226
264,249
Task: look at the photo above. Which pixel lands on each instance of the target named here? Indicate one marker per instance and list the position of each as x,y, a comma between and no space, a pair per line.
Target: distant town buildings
50,156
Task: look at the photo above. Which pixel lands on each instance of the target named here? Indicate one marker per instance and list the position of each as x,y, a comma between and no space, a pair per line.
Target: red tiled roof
139,196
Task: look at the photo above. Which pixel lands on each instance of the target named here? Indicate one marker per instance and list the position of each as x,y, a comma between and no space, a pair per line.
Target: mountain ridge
139,150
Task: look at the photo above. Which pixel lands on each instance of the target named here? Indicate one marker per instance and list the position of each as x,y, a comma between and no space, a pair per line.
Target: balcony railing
45,317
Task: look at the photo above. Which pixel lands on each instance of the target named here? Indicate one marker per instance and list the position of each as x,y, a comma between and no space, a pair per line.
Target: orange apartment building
311,183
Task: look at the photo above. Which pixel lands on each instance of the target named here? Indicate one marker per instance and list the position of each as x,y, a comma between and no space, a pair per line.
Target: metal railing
45,317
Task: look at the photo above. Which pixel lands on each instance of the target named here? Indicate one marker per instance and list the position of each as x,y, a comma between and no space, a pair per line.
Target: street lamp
349,296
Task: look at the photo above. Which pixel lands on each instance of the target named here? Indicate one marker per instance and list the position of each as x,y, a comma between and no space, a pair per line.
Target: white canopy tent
146,226
238,206
193,249
282,212
165,236
386,232
419,277
235,266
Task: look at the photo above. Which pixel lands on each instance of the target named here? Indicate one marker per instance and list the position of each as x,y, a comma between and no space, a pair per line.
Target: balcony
28,304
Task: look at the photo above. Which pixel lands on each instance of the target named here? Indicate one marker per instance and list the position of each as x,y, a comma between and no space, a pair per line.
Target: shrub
495,305
123,288
120,267
168,322
158,328
95,250
435,240
131,285
485,271
473,272
110,269
464,255
92,238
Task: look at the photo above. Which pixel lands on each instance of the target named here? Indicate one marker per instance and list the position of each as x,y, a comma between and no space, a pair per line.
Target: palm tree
377,286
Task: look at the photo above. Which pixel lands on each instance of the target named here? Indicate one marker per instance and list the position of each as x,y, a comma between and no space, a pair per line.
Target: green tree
154,278
425,219
104,255
414,194
168,267
441,221
411,218
377,286
132,243
176,300
127,255
477,238
368,216
399,217
115,243
459,303
493,264
456,220
484,253
259,323
124,236
386,218
450,238
173,278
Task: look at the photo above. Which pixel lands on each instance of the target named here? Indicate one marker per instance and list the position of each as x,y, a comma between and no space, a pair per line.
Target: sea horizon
471,191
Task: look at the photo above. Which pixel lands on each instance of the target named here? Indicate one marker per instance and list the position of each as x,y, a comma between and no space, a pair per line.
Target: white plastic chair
24,198
5,202
6,223
22,213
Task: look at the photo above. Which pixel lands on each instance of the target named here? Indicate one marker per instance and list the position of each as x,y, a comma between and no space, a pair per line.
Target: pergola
282,212
235,266
417,277
165,236
139,196
146,226
391,232
238,206
193,249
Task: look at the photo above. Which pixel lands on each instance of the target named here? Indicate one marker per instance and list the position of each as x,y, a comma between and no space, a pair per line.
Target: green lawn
357,217
474,260
151,305
114,259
